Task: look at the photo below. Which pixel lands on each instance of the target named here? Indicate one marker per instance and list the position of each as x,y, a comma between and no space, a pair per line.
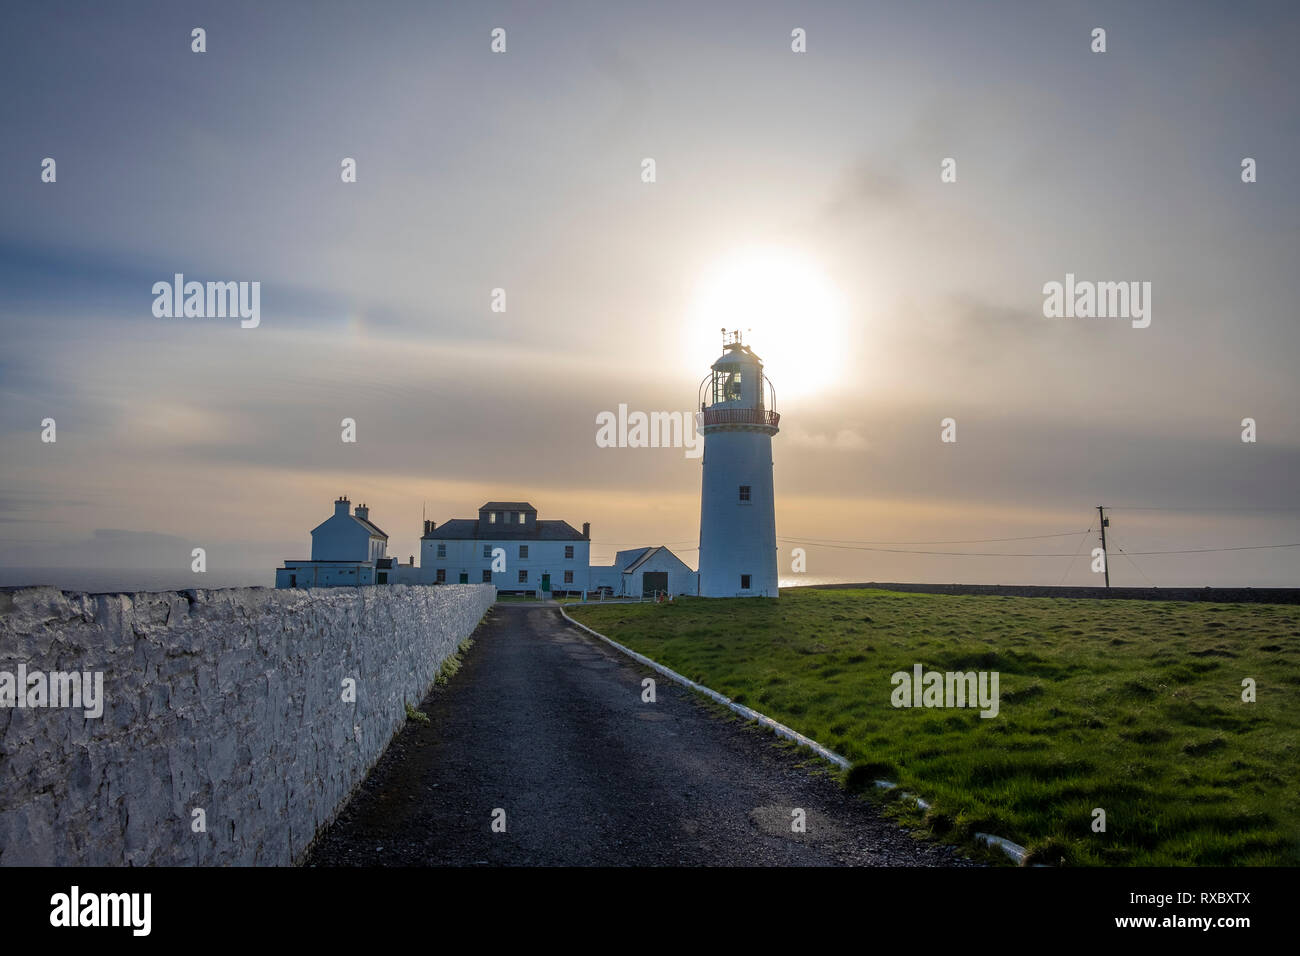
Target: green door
464,578
652,581
546,582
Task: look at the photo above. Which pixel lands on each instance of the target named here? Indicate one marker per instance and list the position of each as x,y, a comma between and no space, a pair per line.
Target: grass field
1134,707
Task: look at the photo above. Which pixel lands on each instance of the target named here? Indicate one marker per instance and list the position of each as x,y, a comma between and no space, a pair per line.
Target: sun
787,309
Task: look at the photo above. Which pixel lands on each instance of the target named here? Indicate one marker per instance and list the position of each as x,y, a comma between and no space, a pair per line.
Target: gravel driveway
547,723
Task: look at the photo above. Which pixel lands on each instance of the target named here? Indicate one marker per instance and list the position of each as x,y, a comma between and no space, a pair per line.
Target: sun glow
786,308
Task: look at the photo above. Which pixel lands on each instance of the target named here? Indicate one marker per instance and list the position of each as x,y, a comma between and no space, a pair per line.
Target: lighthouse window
733,386
726,386
744,492
744,582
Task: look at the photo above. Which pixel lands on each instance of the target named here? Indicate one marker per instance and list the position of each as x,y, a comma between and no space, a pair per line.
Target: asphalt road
548,724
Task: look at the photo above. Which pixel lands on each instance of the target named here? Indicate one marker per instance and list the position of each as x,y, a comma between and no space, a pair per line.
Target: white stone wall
544,557
225,700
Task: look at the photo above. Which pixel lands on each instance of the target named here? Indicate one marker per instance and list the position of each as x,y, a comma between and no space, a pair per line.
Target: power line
1248,547
1206,509
1040,554
1029,537
637,544
1121,550
1077,548
973,554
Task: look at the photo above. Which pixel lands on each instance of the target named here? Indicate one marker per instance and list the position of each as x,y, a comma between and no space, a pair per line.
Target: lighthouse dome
738,356
736,393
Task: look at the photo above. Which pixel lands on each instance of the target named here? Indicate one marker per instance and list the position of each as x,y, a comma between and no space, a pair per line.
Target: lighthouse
737,510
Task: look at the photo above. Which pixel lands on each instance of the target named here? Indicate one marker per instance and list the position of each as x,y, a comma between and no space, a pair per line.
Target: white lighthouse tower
737,509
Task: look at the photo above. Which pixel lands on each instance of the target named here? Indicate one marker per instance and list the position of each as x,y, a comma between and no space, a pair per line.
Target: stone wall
225,701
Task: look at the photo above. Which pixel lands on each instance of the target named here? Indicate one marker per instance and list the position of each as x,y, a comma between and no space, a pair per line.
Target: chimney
362,512
586,530
341,505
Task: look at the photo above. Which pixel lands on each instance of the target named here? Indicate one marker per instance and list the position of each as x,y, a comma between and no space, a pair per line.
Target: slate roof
469,529
649,553
508,506
369,526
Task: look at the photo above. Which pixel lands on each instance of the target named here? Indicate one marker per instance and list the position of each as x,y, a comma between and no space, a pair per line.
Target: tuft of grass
1131,706
452,665
862,776
1050,852
939,822
416,715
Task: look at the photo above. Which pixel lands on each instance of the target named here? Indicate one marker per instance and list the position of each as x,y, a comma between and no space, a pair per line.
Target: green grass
1131,706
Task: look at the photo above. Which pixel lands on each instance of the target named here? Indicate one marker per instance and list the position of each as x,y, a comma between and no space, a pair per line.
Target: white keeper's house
509,546
347,549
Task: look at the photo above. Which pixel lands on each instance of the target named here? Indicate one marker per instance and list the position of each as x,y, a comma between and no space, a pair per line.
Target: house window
568,551
523,551
744,492
487,576
492,517
744,582
523,577
442,576
521,517
487,551
568,577
442,550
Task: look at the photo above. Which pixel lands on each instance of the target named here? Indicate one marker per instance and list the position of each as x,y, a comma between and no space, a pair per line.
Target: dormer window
521,517
492,517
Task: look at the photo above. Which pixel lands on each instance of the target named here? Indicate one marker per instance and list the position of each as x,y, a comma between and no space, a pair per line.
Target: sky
797,196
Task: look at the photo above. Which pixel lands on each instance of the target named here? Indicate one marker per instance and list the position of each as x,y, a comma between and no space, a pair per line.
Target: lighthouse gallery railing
740,416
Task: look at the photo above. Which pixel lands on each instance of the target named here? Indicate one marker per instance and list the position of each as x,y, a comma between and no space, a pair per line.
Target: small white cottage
347,550
641,572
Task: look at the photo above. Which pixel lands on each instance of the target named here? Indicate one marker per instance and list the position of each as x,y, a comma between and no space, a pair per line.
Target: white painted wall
341,538
467,557
737,537
681,579
337,574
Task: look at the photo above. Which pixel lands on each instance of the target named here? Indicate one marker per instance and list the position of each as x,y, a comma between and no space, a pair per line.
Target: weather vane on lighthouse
737,509
732,338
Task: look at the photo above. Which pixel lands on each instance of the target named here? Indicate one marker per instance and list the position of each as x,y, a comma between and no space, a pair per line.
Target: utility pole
1105,555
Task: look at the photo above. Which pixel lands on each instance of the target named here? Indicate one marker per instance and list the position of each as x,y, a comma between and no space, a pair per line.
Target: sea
130,580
